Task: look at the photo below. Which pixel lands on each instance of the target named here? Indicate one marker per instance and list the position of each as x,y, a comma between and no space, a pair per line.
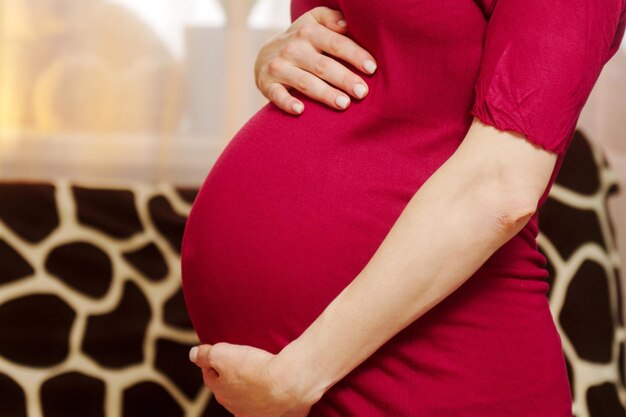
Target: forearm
450,227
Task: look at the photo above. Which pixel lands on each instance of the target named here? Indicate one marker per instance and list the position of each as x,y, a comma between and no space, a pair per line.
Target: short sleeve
540,61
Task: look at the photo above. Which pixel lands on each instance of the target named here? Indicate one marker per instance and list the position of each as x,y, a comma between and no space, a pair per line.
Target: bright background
109,90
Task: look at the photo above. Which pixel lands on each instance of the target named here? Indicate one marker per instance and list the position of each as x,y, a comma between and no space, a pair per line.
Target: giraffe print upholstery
92,316
577,237
93,320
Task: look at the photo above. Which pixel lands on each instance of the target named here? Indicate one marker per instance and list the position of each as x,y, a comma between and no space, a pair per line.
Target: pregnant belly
292,211
289,214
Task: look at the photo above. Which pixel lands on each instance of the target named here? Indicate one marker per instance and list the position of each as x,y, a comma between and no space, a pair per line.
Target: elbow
514,214
512,203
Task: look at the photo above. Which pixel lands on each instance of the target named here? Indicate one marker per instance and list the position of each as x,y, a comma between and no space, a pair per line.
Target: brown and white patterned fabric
93,320
92,316
578,239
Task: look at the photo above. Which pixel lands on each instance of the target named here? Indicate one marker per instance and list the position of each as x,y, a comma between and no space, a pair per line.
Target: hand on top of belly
295,58
242,379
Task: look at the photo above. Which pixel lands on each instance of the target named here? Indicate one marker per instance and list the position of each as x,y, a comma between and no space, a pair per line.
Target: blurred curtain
118,90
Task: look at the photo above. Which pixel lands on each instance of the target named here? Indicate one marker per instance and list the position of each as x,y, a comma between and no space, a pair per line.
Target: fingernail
359,90
342,23
297,107
369,66
342,101
193,354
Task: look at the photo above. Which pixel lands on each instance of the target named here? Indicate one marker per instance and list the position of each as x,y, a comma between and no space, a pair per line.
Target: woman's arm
475,202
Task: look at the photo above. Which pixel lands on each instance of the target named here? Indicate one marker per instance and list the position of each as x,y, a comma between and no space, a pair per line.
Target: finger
279,95
331,18
210,378
314,87
331,71
343,47
223,357
201,356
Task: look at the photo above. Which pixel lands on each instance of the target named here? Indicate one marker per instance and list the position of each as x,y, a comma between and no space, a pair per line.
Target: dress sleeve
540,61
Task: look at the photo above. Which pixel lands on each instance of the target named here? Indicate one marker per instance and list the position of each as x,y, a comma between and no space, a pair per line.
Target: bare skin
493,184
295,59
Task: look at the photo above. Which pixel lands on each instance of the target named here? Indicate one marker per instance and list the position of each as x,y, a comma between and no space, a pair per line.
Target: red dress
295,206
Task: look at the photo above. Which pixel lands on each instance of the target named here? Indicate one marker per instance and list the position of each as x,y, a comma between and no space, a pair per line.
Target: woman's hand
295,58
249,381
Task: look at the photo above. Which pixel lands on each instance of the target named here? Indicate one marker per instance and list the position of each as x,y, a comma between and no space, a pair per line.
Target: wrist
295,373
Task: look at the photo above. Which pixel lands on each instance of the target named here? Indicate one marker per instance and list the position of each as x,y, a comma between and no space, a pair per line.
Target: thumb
200,355
331,18
216,356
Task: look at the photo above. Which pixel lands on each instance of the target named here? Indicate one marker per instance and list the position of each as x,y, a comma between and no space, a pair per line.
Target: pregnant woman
376,257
